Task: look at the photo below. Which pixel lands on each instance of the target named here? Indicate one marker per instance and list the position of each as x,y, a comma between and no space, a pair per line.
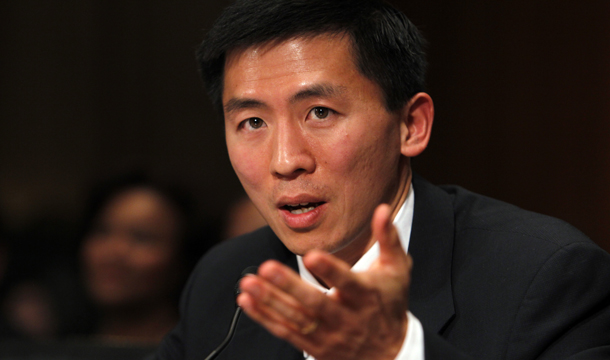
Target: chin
302,243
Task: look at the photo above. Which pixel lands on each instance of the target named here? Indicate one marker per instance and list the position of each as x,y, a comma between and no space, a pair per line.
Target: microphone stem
224,343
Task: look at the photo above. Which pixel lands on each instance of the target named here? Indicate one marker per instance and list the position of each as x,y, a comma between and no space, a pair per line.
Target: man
323,106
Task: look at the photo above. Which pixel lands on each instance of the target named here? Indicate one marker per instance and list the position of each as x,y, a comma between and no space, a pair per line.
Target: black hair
387,47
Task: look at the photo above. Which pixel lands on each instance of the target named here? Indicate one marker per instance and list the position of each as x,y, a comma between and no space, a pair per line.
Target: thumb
390,248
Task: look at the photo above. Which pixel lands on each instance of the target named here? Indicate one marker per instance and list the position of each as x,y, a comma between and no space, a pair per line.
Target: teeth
297,205
302,210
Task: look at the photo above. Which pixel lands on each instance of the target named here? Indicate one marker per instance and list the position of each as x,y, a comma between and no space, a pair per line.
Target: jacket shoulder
255,246
477,212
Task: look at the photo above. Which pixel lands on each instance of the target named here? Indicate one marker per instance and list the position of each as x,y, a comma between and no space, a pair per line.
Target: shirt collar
402,222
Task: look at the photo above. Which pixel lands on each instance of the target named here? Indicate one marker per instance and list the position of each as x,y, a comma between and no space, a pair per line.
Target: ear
417,117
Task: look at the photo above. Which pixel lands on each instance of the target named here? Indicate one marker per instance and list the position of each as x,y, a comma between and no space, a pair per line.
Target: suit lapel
431,246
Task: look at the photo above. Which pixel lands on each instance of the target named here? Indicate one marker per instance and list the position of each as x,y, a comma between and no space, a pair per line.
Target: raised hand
364,318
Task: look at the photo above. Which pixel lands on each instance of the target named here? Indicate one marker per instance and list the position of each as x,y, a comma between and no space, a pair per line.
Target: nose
292,154
117,245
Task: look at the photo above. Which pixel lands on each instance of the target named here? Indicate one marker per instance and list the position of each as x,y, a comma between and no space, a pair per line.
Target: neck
406,176
395,200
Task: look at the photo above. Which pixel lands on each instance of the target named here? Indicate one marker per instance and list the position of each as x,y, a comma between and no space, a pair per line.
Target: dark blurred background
93,88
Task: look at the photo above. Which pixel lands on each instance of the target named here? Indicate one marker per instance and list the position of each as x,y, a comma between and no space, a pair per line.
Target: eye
320,112
253,123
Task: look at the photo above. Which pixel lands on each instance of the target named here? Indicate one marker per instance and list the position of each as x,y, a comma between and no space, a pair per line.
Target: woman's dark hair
387,47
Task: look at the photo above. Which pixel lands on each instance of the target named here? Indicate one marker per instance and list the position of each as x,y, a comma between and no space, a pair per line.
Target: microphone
237,291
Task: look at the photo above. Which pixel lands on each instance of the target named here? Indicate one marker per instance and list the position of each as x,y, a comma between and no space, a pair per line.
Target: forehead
291,43
283,60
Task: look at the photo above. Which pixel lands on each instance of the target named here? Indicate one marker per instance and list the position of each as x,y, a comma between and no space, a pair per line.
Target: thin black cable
224,343
236,291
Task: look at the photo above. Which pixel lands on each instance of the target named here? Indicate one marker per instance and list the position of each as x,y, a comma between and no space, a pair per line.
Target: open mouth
302,208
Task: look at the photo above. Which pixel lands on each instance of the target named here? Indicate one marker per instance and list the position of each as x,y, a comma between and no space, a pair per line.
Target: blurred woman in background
137,252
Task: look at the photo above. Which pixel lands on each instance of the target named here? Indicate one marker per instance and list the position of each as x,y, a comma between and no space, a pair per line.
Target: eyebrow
318,90
240,104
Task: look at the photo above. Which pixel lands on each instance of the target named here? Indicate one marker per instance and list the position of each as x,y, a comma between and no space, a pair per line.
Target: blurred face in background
130,256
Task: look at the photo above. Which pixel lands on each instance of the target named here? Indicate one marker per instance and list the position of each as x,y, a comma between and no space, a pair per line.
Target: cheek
151,273
367,163
148,263
93,253
249,165
362,158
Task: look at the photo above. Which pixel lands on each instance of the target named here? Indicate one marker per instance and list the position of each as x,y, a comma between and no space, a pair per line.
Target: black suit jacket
490,281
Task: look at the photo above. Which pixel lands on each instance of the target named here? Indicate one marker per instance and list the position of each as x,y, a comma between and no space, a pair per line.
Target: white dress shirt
413,346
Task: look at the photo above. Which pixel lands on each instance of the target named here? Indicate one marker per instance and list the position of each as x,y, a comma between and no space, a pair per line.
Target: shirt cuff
413,346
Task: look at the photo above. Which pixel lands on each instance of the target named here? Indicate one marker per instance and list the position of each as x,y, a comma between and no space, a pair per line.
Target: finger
315,303
278,328
274,304
251,307
271,322
250,301
276,323
336,273
390,248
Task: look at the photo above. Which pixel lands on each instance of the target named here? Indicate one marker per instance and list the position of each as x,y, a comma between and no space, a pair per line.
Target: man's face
311,141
